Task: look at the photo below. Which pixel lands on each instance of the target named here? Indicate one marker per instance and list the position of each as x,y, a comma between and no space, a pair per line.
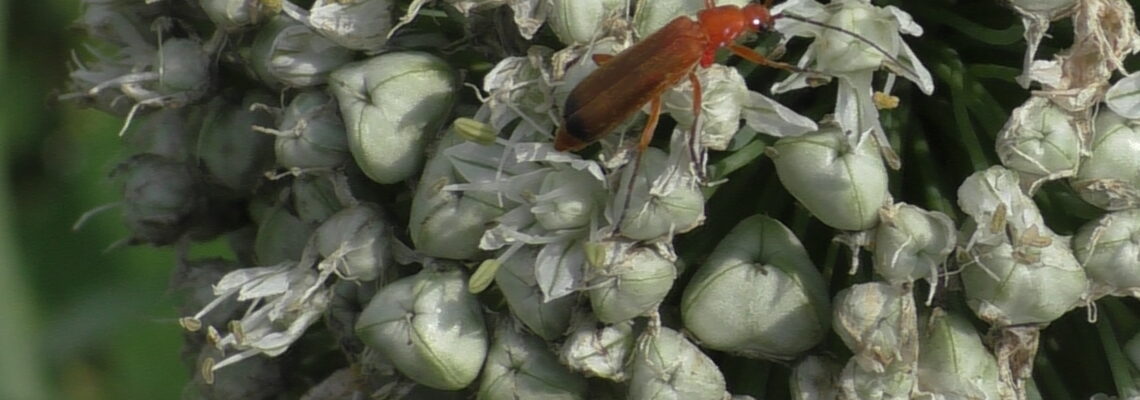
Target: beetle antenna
854,34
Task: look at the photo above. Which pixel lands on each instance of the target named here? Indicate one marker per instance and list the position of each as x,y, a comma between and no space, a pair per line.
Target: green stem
1050,382
1117,362
950,71
737,160
998,37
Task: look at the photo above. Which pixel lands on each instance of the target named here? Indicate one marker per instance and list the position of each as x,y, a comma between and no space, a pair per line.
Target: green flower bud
124,23
1110,177
1016,270
910,243
229,149
760,265
878,322
288,53
445,223
356,241
657,209
651,15
580,21
851,167
515,278
521,366
159,197
474,130
953,362
599,351
815,378
429,327
1040,139
281,236
311,134
355,24
568,199
314,198
393,105
667,366
193,280
632,286
234,15
723,98
1109,250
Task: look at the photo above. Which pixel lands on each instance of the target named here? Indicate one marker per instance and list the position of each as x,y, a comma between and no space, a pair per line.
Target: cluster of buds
447,249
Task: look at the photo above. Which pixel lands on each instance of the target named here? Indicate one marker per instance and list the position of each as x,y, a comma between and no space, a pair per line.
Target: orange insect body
637,76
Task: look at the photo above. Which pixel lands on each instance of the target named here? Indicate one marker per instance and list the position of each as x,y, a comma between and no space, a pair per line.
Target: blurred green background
76,321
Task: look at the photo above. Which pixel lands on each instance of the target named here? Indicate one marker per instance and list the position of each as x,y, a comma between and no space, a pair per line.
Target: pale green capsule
632,286
430,328
1109,250
581,21
760,265
953,362
515,278
521,366
235,15
841,180
1041,140
393,104
229,149
1110,177
286,53
911,243
357,241
666,366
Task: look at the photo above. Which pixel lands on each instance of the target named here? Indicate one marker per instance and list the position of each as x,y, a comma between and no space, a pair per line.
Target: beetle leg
753,56
642,144
695,152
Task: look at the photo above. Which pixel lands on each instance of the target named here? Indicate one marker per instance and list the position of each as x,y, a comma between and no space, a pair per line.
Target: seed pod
355,24
599,351
356,241
580,21
651,15
1109,250
910,243
837,51
852,167
311,134
815,378
288,53
159,197
760,265
515,278
235,15
1007,238
1110,177
521,366
723,99
897,382
657,210
429,326
953,362
665,365
568,199
392,105
444,223
314,198
281,236
1122,97
229,149
168,132
632,286
185,66
1041,140
878,322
